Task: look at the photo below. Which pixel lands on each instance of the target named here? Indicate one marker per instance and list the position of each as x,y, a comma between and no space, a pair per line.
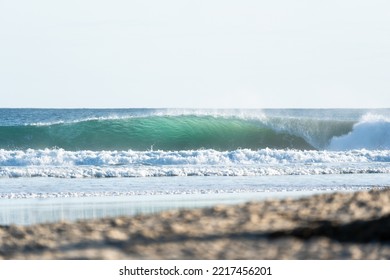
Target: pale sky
195,54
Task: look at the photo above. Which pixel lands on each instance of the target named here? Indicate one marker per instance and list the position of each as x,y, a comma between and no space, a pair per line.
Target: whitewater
63,153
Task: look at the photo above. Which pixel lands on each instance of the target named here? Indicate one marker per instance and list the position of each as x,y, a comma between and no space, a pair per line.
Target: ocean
69,164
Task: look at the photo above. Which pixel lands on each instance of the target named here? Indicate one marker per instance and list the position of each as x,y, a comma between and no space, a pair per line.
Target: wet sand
353,225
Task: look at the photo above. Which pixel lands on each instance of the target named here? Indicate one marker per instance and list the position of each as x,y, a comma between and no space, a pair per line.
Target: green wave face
153,132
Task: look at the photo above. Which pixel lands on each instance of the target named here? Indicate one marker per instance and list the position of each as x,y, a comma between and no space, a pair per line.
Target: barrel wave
170,132
154,132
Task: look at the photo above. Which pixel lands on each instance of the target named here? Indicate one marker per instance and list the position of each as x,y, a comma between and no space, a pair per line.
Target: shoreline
352,225
30,211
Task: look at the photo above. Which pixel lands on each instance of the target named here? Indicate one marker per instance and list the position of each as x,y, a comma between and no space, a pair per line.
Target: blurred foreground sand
352,225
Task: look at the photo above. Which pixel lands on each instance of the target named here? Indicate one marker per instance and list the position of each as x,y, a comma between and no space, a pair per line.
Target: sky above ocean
195,54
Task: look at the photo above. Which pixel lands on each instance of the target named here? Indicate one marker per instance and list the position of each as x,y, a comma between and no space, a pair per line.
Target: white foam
60,157
372,132
192,170
266,162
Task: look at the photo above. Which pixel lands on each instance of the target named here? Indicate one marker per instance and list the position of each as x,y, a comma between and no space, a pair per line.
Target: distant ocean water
129,143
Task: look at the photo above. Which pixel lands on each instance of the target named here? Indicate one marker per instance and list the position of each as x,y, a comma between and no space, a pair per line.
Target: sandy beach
353,225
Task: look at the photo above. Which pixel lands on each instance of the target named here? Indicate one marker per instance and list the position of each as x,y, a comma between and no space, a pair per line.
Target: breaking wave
176,132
